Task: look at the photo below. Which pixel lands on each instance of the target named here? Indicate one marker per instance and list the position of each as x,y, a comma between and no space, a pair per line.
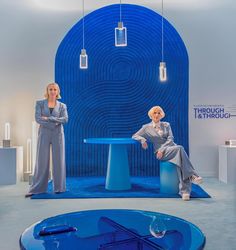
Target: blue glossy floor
216,216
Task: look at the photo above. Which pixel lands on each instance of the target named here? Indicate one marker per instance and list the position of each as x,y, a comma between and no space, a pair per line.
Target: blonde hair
58,90
156,108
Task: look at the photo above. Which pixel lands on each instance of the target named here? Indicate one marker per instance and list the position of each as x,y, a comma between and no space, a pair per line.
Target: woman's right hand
159,155
144,145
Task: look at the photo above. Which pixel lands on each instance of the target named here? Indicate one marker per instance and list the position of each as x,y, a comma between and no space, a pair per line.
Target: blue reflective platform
115,229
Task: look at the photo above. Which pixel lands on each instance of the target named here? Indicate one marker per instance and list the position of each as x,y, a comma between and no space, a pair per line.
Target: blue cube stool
169,181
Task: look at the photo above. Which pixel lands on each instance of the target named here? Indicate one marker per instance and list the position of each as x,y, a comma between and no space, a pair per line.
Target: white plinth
11,165
227,163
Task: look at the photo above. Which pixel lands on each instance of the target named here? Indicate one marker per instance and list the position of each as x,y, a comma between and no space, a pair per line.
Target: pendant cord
120,10
83,23
162,32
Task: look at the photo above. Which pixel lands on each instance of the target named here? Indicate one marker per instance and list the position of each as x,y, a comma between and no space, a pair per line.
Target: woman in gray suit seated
50,114
160,135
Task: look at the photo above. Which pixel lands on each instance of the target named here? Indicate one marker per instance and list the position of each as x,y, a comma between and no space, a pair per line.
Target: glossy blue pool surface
115,229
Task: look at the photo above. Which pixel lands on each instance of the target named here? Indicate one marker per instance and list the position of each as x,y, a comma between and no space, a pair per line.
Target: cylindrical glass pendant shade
83,59
120,35
162,72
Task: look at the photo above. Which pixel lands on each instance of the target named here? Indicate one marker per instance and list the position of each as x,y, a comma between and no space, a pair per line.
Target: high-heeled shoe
28,195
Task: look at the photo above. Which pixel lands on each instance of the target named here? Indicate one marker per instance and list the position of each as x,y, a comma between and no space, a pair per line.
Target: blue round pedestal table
169,180
115,229
118,177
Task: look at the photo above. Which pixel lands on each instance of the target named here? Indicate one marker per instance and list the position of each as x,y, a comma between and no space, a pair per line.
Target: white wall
31,31
210,37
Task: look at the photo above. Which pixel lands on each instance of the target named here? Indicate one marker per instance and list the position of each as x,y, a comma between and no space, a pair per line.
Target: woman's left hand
159,155
44,117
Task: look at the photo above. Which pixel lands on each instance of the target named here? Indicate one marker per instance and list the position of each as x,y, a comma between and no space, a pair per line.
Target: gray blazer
149,133
55,120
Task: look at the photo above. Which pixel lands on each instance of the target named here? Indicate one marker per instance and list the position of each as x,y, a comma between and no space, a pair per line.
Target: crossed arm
51,121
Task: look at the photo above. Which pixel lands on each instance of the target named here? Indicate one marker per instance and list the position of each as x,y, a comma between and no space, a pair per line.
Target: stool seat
169,180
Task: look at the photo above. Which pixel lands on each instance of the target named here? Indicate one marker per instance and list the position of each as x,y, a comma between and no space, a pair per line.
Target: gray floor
216,217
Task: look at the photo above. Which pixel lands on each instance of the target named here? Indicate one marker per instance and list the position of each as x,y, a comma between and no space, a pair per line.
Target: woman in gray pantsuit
50,114
160,135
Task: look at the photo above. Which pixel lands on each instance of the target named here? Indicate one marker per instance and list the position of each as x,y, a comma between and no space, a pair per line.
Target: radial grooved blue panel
111,98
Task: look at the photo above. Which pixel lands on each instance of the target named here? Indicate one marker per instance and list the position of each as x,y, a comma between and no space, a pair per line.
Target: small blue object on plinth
169,181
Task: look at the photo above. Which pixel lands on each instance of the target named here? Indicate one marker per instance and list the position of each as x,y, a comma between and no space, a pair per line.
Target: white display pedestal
227,163
11,165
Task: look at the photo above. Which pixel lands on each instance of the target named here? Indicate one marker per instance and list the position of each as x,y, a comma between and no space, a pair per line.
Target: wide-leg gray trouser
177,155
55,138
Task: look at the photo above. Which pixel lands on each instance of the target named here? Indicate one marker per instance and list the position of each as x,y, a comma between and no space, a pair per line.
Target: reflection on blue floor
113,230
94,187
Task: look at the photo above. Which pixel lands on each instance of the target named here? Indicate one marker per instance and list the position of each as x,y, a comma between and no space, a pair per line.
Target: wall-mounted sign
215,111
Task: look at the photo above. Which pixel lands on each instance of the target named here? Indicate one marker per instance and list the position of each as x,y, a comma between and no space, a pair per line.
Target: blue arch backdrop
111,98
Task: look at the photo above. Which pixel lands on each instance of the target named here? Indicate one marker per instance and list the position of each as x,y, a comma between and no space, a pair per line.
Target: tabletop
110,141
